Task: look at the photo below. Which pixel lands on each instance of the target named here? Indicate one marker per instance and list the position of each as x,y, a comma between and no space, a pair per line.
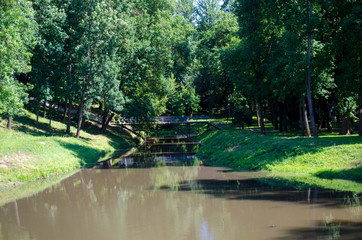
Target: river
179,202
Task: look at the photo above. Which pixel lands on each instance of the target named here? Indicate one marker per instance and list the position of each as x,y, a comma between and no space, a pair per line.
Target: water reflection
205,232
150,161
187,202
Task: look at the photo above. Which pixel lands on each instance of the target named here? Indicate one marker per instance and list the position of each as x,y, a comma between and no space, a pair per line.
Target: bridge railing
181,118
170,119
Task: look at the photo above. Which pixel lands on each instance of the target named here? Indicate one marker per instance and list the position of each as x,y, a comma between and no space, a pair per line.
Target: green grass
28,153
331,161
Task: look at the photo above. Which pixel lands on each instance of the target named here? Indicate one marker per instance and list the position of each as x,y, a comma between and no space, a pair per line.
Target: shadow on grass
120,138
338,229
27,125
245,150
117,136
348,174
90,156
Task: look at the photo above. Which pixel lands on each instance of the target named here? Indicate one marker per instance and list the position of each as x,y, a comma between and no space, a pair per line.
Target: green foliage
216,29
347,106
142,58
12,97
186,9
17,34
17,37
49,58
242,115
182,99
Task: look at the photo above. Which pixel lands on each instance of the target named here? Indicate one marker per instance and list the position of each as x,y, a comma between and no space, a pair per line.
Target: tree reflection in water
187,202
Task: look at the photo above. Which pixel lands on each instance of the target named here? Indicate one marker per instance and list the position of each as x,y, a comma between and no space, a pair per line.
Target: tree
17,34
48,73
182,99
308,80
187,10
343,18
248,56
145,75
215,28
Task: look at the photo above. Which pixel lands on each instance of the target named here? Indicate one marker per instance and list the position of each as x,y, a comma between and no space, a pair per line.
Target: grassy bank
331,161
28,153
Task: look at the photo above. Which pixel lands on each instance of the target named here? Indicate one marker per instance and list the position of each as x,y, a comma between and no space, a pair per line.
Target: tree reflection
170,203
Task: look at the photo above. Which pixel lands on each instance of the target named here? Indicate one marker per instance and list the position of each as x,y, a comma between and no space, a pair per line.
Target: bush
242,115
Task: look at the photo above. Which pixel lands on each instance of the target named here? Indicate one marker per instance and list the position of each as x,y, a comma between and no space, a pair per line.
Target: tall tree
145,76
216,28
49,59
308,78
251,53
17,34
344,20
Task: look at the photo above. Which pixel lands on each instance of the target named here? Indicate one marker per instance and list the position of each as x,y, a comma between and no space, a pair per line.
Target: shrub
242,115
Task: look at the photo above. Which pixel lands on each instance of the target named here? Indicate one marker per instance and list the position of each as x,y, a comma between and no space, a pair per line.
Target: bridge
183,125
170,137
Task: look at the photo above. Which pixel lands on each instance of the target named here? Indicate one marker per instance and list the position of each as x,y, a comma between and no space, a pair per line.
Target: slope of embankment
28,153
331,161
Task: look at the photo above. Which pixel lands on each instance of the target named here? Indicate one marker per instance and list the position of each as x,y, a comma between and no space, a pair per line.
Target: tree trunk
275,116
257,117
317,115
285,122
321,123
301,116
86,81
50,122
305,120
69,116
104,127
44,109
65,110
308,84
326,119
283,117
360,121
37,114
83,120
261,118
347,126
329,124
104,118
323,117
80,118
9,123
280,117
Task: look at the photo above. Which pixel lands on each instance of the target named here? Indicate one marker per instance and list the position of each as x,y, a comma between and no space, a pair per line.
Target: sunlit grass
331,160
28,153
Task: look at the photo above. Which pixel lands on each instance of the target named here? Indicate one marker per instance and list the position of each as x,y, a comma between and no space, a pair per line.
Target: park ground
331,161
28,154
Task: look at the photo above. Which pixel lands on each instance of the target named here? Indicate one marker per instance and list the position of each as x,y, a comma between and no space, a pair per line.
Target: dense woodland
296,63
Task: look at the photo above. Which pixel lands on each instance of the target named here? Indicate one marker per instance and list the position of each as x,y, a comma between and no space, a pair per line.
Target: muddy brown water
185,202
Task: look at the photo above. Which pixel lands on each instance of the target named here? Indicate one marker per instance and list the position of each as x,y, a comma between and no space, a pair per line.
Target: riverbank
331,161
28,153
